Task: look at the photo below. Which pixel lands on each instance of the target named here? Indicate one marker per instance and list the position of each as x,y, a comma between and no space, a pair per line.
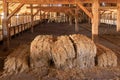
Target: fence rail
18,29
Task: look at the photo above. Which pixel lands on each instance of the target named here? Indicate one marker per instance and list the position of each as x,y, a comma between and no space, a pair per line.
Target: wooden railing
14,30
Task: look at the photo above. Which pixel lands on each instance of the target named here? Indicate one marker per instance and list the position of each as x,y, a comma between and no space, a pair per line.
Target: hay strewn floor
54,74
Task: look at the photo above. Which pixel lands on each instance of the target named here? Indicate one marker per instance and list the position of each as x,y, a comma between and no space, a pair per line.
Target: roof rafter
57,1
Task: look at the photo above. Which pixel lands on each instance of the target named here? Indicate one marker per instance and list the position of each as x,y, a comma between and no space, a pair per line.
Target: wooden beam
70,20
102,13
40,14
63,7
104,8
43,1
118,16
36,12
50,7
57,1
32,17
95,19
84,9
15,11
55,10
100,1
70,17
5,25
76,20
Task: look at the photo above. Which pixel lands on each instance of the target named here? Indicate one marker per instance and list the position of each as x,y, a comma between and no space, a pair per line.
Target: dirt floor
111,41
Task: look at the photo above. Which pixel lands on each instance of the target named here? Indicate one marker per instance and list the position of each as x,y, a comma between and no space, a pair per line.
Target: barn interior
59,39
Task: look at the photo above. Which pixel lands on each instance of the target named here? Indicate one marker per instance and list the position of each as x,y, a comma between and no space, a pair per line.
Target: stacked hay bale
67,51
105,57
40,51
85,51
17,61
63,52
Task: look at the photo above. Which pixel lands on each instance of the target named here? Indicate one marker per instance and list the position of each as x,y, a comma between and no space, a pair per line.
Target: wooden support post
70,20
114,19
10,29
118,16
22,23
18,29
44,15
39,16
21,28
95,19
76,20
104,18
99,19
5,25
31,17
24,27
108,19
111,18
65,18
89,21
14,31
48,16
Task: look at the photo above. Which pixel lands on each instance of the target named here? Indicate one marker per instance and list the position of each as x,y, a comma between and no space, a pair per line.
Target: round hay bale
40,51
17,61
105,57
85,51
63,52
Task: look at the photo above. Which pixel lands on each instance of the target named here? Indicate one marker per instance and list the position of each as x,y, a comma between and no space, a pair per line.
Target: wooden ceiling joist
55,9
100,1
43,1
103,8
48,10
57,1
64,8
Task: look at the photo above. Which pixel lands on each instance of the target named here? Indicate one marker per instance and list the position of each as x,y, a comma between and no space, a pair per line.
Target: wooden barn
59,39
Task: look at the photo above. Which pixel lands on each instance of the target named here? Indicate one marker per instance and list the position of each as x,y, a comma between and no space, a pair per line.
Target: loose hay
17,61
106,57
